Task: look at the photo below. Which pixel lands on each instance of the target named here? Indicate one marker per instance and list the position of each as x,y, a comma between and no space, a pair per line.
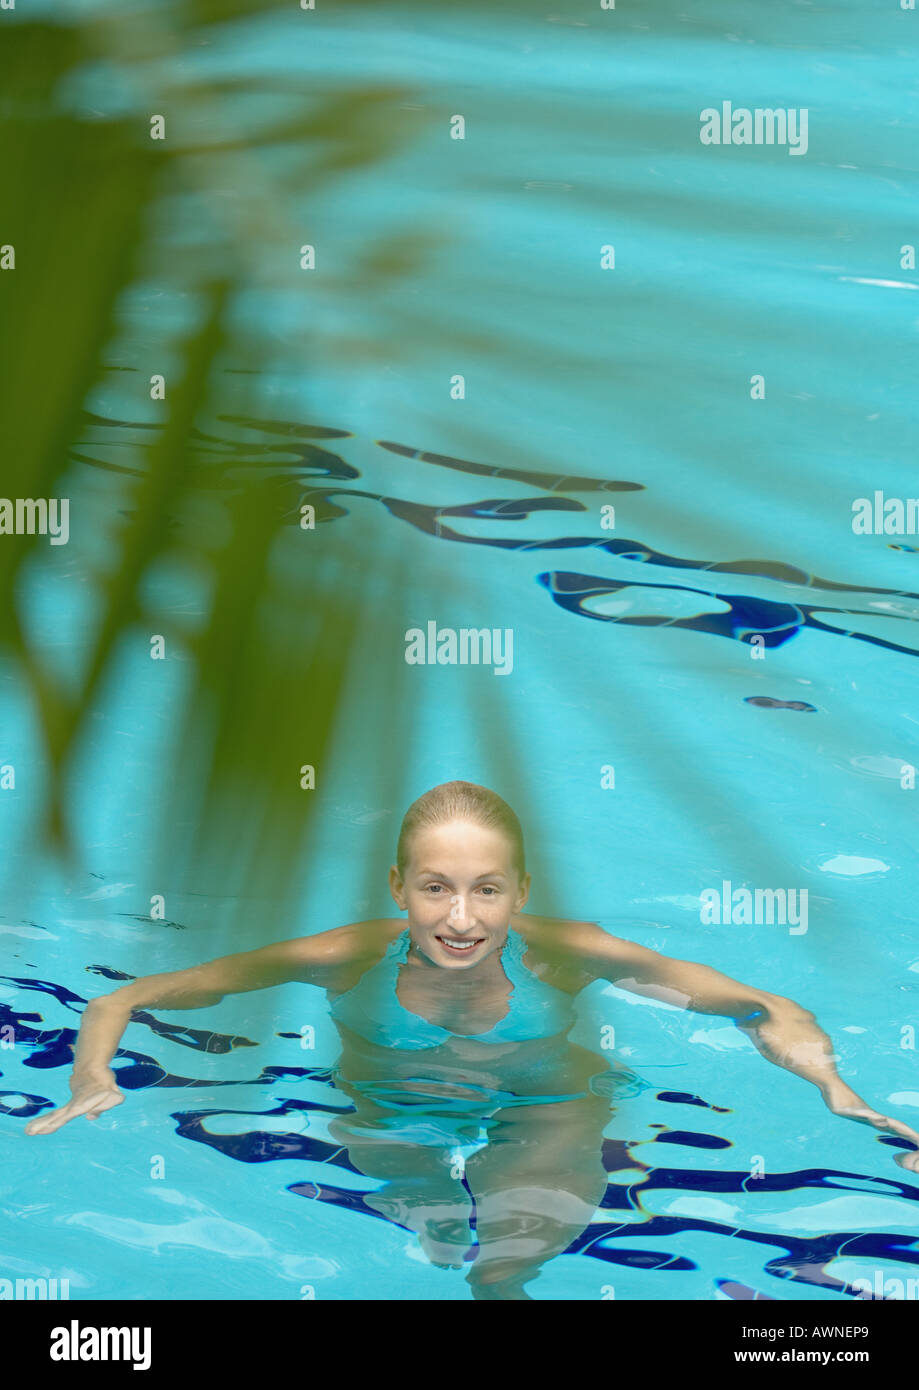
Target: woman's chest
470,1008
476,1005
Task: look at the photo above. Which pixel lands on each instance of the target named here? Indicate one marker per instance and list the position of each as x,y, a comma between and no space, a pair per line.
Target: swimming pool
655,751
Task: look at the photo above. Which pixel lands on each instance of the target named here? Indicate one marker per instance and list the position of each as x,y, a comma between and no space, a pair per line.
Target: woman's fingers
868,1116
910,1159
896,1127
52,1120
91,1103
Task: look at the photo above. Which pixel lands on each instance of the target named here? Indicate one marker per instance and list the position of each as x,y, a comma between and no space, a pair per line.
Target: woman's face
460,891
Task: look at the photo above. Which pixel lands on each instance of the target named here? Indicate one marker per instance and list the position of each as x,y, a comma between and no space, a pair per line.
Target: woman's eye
438,889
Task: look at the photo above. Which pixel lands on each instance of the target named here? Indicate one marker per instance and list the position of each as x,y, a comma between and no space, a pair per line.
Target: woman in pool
454,1031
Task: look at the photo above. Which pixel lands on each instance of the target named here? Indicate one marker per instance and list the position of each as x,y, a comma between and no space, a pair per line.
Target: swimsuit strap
399,947
512,959
515,947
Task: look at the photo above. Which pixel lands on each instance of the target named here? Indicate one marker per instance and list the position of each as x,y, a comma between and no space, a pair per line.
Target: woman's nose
459,915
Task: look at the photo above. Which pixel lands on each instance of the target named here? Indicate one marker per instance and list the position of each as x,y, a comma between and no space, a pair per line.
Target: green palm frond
269,658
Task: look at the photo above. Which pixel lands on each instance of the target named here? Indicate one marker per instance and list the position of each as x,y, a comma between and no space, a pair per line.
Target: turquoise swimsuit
424,1111
373,1010
455,1115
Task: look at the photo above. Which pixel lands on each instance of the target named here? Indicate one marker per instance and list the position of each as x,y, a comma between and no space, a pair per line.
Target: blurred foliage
269,659
75,197
88,209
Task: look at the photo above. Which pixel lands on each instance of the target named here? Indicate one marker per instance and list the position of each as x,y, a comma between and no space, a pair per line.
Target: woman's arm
782,1031
310,959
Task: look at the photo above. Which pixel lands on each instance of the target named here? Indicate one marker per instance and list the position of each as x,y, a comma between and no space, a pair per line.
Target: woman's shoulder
346,952
373,929
551,932
559,942
579,945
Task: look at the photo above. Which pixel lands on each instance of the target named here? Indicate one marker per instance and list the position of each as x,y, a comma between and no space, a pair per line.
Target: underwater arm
784,1032
311,960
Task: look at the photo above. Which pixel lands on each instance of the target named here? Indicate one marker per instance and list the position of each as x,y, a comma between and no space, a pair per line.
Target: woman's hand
844,1101
90,1095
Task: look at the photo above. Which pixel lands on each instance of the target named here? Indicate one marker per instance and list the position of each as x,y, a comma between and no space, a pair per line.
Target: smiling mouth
460,945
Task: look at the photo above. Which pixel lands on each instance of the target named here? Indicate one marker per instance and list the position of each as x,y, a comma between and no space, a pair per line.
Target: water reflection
536,1109
226,463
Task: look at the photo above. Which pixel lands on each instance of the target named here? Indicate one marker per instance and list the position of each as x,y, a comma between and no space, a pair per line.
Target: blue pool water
770,765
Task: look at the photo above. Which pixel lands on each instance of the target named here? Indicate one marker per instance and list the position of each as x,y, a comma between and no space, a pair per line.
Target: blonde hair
461,801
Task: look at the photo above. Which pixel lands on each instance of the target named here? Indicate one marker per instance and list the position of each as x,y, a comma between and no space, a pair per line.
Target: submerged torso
443,1041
